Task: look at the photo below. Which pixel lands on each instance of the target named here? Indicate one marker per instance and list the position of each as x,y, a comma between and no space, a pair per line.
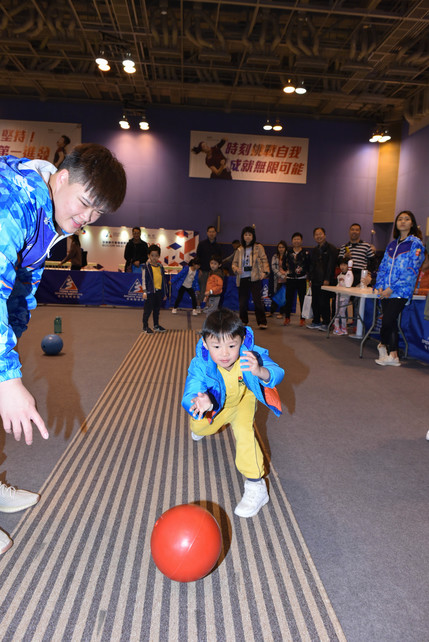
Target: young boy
226,378
40,206
188,279
154,289
214,285
343,300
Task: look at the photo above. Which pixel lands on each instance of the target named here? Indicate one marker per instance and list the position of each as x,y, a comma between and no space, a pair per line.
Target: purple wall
413,190
340,187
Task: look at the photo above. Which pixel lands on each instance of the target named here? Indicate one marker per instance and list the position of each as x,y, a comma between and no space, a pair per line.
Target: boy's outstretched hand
18,410
200,405
248,361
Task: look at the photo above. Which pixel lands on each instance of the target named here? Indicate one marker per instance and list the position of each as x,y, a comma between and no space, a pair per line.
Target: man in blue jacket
226,378
40,206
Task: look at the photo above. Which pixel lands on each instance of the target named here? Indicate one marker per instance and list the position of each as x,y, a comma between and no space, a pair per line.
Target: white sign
273,159
106,245
28,139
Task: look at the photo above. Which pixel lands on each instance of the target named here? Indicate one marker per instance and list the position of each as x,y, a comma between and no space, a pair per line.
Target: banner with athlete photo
247,157
36,140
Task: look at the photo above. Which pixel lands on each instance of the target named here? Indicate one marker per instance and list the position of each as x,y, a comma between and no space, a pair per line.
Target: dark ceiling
366,59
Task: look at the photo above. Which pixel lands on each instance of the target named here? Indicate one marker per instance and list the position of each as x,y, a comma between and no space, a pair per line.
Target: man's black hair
223,323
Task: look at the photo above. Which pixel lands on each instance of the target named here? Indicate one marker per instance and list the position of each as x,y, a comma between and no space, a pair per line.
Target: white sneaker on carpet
5,542
173,310
194,313
13,500
196,437
388,361
427,435
382,351
255,496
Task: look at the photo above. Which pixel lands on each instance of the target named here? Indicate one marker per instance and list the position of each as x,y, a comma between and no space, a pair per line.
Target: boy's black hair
102,175
154,248
343,259
217,258
194,262
223,323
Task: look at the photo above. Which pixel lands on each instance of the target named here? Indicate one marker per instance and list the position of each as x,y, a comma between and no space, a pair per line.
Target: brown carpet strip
81,567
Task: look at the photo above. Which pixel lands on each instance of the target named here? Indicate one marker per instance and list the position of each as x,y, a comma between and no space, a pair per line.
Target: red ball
186,542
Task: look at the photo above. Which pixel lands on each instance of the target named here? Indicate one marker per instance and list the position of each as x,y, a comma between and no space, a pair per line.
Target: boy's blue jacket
27,232
204,376
178,279
400,267
147,279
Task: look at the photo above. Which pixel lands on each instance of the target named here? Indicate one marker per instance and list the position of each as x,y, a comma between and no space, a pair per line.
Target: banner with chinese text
274,159
28,139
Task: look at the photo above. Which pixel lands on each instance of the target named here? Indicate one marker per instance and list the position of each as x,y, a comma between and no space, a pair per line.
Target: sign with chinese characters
28,139
273,159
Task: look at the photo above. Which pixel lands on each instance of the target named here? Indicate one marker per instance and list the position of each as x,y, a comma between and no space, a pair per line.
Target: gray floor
350,450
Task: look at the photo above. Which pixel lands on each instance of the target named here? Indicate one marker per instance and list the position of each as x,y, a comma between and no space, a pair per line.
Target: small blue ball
52,344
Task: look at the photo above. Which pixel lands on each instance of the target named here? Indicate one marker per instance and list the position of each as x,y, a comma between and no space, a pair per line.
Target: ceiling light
128,62
124,122
277,127
267,126
143,124
385,137
103,67
130,70
301,89
289,88
380,135
101,59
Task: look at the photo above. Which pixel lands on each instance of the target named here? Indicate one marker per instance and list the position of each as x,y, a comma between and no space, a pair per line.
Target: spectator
227,263
396,280
214,285
205,251
322,272
74,255
136,252
61,151
342,300
298,264
154,289
250,264
279,269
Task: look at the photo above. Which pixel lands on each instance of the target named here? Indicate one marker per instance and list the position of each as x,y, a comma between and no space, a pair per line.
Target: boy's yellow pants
248,456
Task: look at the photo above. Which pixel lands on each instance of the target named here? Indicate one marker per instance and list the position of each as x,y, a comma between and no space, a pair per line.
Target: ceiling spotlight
143,124
101,59
104,67
380,135
124,122
268,126
289,88
277,127
128,63
301,89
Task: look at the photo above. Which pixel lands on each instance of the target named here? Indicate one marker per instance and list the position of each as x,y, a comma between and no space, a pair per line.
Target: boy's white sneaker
255,496
174,310
388,360
5,542
382,351
196,437
194,313
13,500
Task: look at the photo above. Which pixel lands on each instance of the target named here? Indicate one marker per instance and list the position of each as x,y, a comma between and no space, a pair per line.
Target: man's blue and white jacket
27,233
204,376
400,267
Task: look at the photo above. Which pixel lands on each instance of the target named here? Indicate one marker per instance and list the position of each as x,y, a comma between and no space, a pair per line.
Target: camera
247,268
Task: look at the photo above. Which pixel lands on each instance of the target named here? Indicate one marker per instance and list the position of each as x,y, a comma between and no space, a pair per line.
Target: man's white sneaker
382,351
196,437
255,496
13,500
388,361
5,542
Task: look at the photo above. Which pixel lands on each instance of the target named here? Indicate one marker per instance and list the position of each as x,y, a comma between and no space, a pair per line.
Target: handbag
307,311
280,296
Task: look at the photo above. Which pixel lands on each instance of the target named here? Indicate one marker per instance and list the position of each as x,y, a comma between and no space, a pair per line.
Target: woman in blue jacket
396,280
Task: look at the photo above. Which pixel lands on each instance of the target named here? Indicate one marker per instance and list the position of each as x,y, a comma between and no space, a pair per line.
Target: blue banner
72,287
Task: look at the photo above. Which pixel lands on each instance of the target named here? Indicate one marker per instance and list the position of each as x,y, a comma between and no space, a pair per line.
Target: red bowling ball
186,543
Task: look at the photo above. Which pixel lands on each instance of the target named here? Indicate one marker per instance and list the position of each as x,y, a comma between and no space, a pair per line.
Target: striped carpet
81,567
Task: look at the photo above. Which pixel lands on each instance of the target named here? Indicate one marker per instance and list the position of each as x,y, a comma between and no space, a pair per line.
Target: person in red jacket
214,285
